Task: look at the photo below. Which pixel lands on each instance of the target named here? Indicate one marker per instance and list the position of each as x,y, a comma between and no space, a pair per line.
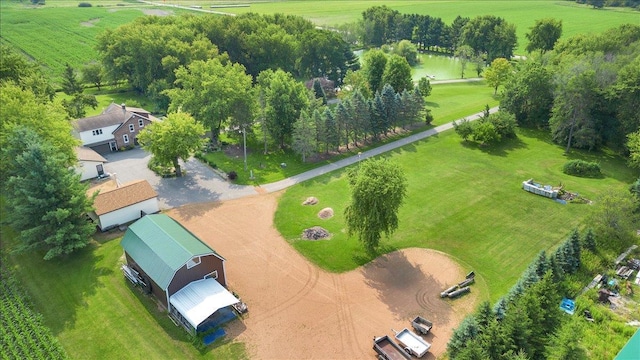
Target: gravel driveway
199,183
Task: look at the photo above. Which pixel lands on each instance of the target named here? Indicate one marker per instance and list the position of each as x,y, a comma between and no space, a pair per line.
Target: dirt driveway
298,311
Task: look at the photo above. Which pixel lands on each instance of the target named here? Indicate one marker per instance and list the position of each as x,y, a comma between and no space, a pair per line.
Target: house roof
87,154
112,115
123,196
198,300
161,246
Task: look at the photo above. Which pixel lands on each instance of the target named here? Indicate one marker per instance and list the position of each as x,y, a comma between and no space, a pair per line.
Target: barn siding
155,288
184,276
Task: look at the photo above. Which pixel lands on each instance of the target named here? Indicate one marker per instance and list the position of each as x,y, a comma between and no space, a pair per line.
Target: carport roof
198,300
161,246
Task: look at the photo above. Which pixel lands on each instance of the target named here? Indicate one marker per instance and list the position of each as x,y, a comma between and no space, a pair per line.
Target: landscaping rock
325,213
310,201
315,233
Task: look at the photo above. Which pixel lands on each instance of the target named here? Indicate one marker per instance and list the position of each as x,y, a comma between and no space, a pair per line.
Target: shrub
464,128
84,4
232,175
581,168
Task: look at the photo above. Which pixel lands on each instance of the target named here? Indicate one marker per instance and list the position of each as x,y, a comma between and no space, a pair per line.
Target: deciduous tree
498,73
397,73
46,202
374,65
633,145
378,189
544,35
178,136
464,54
214,93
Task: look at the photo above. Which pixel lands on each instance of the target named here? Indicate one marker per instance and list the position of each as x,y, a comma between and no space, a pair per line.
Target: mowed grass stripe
462,200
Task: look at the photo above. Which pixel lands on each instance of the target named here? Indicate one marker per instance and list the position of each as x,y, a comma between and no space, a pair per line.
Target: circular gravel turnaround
299,311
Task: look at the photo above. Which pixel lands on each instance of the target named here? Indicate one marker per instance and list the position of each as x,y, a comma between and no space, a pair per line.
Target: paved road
201,184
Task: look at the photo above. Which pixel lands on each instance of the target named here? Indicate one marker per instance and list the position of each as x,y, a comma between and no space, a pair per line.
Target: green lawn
461,200
449,102
96,314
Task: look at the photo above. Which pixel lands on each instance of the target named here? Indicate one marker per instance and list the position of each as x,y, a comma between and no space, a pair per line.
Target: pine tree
361,115
574,242
332,136
46,202
342,120
319,91
589,240
462,336
304,135
390,107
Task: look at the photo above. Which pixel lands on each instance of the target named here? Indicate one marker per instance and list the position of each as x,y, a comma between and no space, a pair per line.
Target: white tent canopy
198,300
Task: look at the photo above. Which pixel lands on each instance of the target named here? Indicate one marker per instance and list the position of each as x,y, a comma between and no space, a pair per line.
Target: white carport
200,299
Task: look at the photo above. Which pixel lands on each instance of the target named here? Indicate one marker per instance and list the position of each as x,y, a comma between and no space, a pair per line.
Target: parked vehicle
421,325
387,349
412,342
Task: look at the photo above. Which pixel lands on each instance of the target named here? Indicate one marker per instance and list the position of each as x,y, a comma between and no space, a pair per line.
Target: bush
581,168
232,175
84,4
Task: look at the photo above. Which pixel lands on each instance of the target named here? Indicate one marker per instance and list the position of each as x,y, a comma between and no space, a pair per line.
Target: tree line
585,90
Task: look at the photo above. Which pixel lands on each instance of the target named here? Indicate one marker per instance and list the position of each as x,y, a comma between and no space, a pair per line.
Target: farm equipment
387,349
421,325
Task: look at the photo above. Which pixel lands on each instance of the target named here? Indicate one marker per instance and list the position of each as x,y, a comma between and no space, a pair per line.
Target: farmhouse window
193,262
125,138
140,123
97,132
131,128
212,275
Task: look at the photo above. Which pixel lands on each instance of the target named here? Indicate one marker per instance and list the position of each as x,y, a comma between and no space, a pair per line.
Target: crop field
55,36
61,32
463,200
22,334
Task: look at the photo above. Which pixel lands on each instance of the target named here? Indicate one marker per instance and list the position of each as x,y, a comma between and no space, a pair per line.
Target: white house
124,204
90,163
116,128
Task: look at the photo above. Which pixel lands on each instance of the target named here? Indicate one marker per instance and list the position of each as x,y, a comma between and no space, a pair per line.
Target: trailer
421,325
412,342
387,349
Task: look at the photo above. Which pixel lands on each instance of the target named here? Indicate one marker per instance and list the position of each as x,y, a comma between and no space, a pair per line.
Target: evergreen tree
304,136
318,122
73,87
376,118
574,242
46,202
361,116
332,136
319,91
589,240
343,122
390,107
463,336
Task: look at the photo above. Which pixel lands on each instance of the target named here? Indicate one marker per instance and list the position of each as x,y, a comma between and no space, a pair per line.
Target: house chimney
115,179
124,109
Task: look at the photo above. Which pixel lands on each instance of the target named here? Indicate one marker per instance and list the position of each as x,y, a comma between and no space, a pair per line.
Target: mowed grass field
96,313
462,200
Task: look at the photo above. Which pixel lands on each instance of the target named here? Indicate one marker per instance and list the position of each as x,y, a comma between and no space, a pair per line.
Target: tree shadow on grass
405,288
501,149
61,286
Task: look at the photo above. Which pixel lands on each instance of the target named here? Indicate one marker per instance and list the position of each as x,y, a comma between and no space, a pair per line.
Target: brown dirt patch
326,213
297,310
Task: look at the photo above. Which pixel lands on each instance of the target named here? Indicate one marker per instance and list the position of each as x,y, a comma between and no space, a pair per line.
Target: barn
182,272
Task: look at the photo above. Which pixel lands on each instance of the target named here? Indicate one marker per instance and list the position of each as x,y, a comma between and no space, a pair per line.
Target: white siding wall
87,169
130,213
87,137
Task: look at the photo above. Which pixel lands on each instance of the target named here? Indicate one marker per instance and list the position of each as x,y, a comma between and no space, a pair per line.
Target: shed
124,204
90,163
181,271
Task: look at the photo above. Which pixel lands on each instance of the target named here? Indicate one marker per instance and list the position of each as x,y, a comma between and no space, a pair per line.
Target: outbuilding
90,163
181,271
124,204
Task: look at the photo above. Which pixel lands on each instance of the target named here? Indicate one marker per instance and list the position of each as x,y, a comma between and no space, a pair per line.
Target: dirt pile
325,213
310,201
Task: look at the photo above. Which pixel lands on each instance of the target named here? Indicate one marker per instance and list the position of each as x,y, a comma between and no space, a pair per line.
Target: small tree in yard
179,136
378,188
498,73
463,128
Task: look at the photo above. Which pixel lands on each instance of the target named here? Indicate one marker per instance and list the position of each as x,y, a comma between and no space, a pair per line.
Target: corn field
23,334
